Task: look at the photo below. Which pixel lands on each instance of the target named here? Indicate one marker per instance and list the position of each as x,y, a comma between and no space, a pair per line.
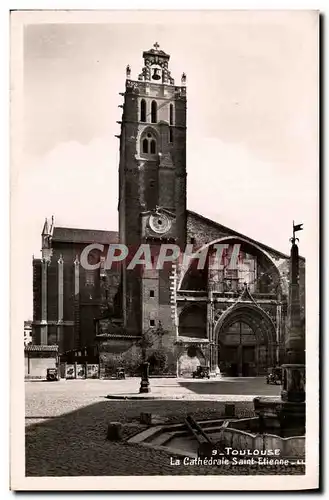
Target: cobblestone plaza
66,425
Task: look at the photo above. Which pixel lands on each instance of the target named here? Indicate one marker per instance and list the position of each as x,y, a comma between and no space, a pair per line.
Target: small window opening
151,293
152,322
154,112
171,114
153,147
145,146
143,111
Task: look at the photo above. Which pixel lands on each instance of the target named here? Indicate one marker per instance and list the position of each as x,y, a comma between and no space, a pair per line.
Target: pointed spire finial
156,46
45,230
52,225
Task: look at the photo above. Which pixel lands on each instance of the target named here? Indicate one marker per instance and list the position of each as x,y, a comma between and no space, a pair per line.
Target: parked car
274,376
201,372
120,373
52,374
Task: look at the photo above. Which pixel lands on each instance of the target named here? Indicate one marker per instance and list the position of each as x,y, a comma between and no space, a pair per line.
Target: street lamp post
145,383
147,340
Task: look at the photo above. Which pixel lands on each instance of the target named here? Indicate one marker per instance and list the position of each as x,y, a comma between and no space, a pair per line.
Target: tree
152,348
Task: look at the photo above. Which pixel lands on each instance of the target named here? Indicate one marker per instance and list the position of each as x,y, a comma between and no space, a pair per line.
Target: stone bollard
229,410
145,418
114,432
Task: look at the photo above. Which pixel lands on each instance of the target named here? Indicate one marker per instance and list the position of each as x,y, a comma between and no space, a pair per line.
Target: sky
252,147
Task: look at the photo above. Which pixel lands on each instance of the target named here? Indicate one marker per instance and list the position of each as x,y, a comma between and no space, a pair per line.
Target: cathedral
231,317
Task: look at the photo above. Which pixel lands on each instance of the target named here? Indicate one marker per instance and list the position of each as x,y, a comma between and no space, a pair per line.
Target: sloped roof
75,235
239,235
156,52
41,348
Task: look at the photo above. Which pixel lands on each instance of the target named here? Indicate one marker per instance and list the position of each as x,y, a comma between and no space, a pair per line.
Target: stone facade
232,319
67,299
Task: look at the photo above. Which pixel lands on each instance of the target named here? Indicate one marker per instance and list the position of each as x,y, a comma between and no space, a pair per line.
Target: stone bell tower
152,182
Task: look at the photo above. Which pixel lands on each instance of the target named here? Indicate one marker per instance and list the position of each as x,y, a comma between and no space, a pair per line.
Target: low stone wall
36,366
242,440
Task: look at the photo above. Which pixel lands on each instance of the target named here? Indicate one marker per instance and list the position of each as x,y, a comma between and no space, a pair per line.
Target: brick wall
52,289
202,231
36,289
68,289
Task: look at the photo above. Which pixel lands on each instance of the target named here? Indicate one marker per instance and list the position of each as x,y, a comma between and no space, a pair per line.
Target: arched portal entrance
246,342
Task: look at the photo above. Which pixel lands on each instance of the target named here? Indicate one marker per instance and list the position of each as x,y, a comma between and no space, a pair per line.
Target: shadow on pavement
75,444
249,387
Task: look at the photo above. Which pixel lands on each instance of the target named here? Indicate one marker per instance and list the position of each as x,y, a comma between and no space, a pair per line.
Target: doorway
237,351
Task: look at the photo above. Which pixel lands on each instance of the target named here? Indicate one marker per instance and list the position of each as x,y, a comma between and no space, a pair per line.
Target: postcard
164,251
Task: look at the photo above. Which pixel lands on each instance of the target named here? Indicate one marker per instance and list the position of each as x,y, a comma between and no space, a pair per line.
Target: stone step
160,435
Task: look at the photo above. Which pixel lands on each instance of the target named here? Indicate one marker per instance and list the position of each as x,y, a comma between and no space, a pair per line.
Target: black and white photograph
164,250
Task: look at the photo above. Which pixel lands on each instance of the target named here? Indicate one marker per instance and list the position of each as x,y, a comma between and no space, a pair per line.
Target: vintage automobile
120,373
201,372
52,374
274,376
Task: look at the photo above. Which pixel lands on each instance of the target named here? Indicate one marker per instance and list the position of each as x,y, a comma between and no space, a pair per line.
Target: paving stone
66,425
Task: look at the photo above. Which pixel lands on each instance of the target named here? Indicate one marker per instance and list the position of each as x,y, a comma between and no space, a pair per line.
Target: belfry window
143,111
171,115
154,112
149,144
170,134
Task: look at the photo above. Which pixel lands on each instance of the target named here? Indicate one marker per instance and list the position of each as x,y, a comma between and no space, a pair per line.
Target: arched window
171,115
149,144
143,111
153,147
170,135
154,112
145,146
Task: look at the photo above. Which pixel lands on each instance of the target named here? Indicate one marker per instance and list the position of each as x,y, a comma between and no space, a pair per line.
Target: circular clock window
159,223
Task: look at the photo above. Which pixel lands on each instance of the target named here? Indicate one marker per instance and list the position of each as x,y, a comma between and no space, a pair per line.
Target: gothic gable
201,231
